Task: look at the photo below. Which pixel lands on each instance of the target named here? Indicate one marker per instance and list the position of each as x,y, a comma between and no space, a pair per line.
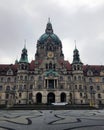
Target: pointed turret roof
76,56
24,55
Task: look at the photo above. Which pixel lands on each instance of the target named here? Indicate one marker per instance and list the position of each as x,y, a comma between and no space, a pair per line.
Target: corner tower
49,45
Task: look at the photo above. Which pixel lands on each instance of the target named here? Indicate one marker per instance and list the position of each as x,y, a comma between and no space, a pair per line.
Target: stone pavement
52,120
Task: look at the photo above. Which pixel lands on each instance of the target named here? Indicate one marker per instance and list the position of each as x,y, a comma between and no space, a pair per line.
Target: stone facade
49,78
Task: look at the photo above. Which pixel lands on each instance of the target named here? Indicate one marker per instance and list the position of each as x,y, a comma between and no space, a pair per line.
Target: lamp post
92,101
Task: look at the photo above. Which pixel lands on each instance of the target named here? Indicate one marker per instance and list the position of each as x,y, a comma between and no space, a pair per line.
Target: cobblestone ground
52,120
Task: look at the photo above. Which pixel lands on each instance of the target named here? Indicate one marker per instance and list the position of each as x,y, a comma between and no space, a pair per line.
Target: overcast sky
80,20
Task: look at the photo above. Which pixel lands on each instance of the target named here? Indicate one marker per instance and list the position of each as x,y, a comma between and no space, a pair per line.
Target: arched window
20,94
31,86
78,67
38,98
79,78
8,79
50,65
25,78
75,86
99,95
75,78
21,77
90,80
69,78
74,67
63,97
31,78
30,96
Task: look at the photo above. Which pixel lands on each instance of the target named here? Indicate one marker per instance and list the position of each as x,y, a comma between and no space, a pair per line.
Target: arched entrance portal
38,98
63,97
50,98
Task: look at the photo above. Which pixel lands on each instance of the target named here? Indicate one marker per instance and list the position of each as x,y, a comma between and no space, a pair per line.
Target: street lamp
92,101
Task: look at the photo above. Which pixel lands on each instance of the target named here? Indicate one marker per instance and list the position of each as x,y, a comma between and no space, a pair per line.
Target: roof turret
24,56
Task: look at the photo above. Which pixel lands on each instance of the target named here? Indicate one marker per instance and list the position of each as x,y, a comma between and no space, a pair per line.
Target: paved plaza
52,120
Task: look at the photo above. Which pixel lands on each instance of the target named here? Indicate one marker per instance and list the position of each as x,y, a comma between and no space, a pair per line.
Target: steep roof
96,69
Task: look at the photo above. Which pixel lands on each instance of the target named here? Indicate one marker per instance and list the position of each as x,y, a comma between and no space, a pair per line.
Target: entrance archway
38,98
50,98
63,97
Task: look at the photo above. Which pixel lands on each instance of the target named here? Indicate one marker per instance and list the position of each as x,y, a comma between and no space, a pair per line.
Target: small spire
75,44
49,29
49,20
25,43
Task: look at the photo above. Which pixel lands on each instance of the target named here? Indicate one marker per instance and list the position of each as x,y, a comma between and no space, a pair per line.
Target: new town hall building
49,78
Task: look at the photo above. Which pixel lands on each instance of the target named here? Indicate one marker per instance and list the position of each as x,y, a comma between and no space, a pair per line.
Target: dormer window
89,73
9,72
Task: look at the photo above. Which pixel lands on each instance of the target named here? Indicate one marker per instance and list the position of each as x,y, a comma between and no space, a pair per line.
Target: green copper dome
49,34
52,36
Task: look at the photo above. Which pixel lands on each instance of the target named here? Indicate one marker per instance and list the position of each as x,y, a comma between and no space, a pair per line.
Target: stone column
57,83
54,84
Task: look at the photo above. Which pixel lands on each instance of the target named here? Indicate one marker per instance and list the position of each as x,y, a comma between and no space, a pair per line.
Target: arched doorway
63,97
50,98
38,98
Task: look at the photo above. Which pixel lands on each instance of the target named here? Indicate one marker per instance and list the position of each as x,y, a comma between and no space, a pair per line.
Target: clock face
50,54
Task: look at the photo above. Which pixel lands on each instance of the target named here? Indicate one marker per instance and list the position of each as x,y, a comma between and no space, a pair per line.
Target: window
98,87
14,88
69,78
26,78
39,86
24,86
8,79
40,78
20,88
99,95
2,79
80,87
61,78
61,87
0,88
74,67
78,67
79,78
8,88
90,80
21,77
31,78
20,94
75,86
30,96
80,94
75,78
7,96
91,88
50,65
31,86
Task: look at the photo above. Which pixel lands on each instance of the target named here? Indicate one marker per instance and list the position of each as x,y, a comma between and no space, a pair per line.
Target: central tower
49,45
